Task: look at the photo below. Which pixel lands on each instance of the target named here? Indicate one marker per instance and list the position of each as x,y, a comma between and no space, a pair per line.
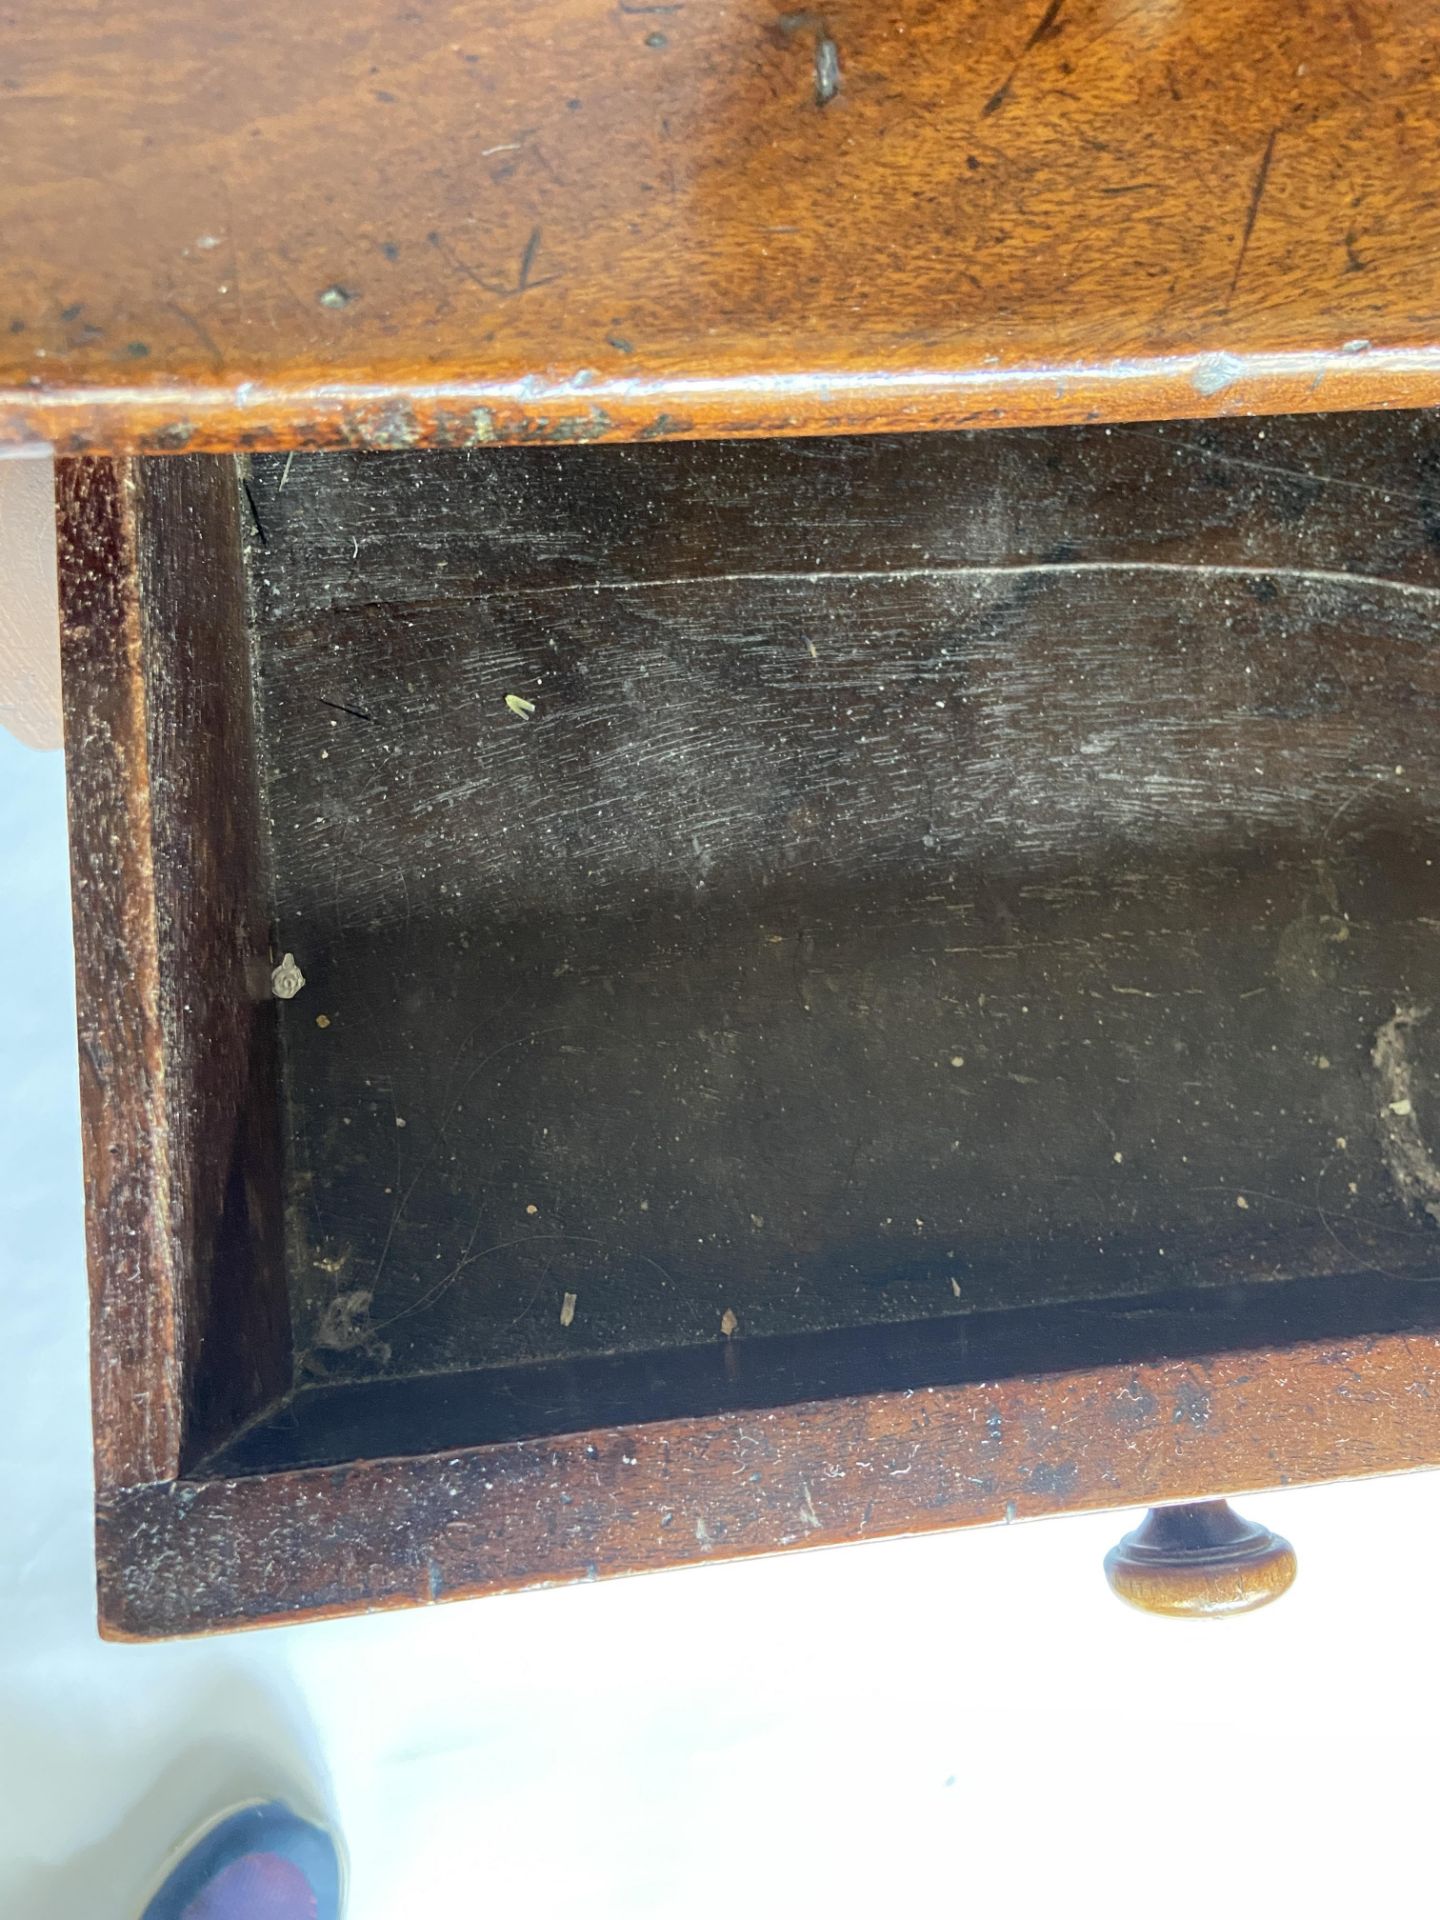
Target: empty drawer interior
776,916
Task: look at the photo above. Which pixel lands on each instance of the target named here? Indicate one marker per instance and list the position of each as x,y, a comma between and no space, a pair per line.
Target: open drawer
849,986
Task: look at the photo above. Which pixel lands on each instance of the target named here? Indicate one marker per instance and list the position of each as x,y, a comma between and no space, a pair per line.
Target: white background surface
964,1723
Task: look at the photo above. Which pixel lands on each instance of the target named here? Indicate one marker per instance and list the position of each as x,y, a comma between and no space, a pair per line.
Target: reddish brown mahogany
560,222
247,1473
567,221
1200,1561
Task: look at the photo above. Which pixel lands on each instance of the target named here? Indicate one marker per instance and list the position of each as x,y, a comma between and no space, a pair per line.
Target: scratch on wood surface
689,742
452,259
1222,458
1252,212
201,332
260,532
1048,24
527,260
1039,569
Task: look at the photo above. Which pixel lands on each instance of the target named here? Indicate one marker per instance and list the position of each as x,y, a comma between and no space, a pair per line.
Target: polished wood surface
284,225
1200,1561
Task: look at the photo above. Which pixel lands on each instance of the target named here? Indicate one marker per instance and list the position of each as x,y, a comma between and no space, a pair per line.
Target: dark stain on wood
335,1421
961,845
874,944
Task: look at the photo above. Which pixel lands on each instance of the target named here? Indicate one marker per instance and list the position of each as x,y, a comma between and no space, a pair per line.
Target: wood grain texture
1200,1561
191,1330
564,220
390,1533
136,1294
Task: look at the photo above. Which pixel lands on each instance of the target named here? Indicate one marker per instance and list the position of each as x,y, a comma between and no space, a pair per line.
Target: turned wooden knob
1200,1561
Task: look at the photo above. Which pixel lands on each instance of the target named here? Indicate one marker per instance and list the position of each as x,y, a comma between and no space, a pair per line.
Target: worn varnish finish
937,875
564,220
177,1037
388,1533
946,960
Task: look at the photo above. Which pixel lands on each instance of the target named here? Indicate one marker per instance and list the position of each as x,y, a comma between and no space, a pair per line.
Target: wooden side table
681,953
